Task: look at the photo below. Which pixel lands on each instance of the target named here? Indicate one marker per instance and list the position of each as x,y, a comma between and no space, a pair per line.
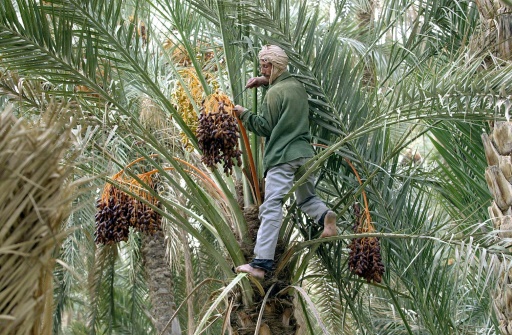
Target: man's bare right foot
255,272
329,225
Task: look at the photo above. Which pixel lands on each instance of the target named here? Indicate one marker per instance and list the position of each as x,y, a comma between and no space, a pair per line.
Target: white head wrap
277,57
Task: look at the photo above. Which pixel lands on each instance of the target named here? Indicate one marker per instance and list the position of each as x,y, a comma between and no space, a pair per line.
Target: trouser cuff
265,264
321,221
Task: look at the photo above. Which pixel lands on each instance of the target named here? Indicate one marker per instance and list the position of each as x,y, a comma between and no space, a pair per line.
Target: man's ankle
255,272
329,225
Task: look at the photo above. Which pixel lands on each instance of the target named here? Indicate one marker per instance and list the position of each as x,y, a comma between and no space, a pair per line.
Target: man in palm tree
284,122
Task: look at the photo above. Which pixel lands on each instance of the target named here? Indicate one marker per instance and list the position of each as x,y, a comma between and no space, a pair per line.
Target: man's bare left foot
329,225
255,272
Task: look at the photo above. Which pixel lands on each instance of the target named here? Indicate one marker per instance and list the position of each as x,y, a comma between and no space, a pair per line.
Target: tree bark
496,38
189,278
498,175
159,278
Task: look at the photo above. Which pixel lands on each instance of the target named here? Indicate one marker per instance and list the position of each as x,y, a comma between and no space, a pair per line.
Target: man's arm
254,82
264,122
257,124
257,82
260,124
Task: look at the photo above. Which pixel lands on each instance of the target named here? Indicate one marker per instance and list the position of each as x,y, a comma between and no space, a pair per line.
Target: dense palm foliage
383,77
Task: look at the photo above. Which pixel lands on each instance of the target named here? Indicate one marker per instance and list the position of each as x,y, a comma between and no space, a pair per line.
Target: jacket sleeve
263,123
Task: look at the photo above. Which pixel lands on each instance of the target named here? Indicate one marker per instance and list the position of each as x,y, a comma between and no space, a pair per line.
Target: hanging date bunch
187,94
364,256
117,211
218,133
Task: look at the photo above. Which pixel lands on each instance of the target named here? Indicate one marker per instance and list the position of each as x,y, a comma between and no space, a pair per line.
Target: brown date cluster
218,134
118,211
364,256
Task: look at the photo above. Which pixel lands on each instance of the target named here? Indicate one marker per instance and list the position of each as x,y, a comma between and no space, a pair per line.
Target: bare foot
329,225
255,272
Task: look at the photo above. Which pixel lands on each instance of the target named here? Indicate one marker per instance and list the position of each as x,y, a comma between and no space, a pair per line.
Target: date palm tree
381,75
494,40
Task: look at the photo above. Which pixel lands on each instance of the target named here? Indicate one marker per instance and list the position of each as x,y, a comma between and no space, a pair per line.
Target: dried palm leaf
34,202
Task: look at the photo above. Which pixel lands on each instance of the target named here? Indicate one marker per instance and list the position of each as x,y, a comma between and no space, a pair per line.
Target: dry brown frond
151,115
34,201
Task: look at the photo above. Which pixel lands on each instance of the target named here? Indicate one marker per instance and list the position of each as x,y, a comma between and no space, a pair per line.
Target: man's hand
238,110
257,82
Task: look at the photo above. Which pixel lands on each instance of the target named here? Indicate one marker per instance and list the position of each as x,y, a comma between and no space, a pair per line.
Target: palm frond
462,167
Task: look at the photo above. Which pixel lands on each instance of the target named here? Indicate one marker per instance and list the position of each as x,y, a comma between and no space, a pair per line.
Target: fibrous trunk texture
495,37
498,149
159,278
35,198
189,278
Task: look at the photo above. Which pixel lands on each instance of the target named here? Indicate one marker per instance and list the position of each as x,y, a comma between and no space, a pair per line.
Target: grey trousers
278,182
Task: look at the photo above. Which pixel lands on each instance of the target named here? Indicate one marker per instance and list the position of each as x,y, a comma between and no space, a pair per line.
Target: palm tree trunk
498,174
278,311
159,278
496,38
189,279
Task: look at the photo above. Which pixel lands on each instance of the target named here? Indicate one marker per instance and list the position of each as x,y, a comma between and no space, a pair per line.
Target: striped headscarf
277,57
